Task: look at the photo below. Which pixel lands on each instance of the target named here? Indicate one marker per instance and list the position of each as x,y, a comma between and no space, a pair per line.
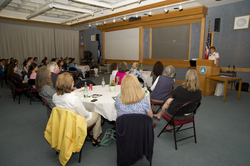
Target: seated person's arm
150,113
81,109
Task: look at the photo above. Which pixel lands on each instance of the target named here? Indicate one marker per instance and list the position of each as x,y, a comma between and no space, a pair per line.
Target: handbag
219,91
108,138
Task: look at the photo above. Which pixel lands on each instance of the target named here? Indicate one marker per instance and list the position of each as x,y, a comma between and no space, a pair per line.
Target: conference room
124,82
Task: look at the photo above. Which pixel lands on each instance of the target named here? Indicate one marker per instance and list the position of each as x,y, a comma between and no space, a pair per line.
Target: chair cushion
18,89
177,122
34,91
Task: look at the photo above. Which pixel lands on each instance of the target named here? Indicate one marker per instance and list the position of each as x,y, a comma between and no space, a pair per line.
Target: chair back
31,82
134,138
187,108
72,69
15,83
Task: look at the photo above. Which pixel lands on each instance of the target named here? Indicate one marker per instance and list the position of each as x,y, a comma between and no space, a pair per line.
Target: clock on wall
92,37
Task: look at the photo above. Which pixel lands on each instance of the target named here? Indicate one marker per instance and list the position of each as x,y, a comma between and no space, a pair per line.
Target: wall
232,45
92,46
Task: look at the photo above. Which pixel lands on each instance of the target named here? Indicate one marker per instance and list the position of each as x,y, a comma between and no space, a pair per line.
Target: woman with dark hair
60,65
122,68
6,64
45,61
12,74
32,71
157,70
44,85
26,65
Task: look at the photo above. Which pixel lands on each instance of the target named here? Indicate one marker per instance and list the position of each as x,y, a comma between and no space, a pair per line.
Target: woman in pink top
122,68
32,72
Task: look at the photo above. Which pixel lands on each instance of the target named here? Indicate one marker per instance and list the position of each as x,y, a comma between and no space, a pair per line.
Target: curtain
21,42
67,43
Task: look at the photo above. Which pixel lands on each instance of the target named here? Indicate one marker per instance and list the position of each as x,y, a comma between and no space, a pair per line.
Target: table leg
225,91
205,86
240,85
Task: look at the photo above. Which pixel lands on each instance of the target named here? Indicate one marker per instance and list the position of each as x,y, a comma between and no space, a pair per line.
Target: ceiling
72,12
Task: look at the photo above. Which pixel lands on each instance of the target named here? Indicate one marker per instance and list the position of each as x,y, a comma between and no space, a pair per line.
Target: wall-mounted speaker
217,25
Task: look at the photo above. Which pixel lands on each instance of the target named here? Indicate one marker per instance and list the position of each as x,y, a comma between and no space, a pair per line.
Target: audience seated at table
122,68
188,91
2,74
162,86
135,72
114,69
157,70
44,85
67,99
12,74
54,69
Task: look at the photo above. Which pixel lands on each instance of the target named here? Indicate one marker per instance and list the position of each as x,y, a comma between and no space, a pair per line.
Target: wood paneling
174,62
236,69
119,61
202,37
151,6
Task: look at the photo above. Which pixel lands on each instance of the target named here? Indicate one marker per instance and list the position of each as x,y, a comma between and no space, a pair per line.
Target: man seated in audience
114,68
54,69
31,60
72,65
93,66
36,61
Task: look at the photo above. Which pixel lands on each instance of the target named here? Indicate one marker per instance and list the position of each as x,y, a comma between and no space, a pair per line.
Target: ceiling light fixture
150,13
97,24
114,20
102,11
166,10
77,19
93,14
89,25
104,22
124,18
180,7
136,16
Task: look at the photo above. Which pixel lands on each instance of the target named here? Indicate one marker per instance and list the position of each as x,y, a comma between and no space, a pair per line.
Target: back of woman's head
114,66
134,66
64,83
158,68
72,60
191,82
122,67
43,78
169,71
131,90
25,62
10,70
32,67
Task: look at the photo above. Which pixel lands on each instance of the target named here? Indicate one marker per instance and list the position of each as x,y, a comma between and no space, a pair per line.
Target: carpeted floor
223,136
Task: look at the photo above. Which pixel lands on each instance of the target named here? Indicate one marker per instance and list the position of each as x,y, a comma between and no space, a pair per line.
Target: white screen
123,44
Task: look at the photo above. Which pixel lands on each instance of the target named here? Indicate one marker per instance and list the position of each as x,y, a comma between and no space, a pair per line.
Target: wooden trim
150,43
236,69
103,43
120,60
202,37
34,22
189,47
179,81
141,44
194,13
174,62
126,12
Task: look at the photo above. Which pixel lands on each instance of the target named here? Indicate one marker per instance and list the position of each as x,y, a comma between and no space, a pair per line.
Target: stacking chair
74,72
47,107
19,91
187,108
134,138
34,93
2,80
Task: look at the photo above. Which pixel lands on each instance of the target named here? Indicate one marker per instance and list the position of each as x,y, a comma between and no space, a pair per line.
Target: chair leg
195,140
179,128
175,138
14,96
80,155
19,98
162,130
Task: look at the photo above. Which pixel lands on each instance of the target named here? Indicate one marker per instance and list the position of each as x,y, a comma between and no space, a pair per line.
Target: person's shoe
96,75
154,124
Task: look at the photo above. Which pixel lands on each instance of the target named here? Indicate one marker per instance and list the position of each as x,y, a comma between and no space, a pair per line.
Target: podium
204,69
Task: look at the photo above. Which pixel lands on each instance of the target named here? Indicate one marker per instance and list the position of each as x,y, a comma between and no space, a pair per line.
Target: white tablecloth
105,105
83,68
146,76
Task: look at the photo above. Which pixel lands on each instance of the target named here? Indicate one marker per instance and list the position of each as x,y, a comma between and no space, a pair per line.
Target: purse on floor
108,138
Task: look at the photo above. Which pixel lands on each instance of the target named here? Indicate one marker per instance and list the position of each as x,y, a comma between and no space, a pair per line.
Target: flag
207,44
99,53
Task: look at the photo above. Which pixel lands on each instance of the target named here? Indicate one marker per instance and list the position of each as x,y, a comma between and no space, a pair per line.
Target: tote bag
219,91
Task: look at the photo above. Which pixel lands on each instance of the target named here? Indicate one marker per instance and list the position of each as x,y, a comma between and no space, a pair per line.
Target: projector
134,19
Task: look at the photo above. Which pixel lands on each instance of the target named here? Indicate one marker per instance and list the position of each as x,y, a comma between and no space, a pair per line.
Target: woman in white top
67,99
214,56
114,68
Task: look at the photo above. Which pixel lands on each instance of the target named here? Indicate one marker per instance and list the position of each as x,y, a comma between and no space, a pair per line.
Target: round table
147,77
105,105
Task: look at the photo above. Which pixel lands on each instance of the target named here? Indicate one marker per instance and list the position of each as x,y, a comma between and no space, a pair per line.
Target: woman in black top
188,91
12,74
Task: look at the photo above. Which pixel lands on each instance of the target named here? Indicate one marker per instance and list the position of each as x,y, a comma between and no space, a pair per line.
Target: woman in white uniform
214,56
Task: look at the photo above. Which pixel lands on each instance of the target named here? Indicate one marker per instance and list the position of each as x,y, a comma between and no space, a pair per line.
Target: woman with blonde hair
188,91
132,99
44,85
135,72
67,99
